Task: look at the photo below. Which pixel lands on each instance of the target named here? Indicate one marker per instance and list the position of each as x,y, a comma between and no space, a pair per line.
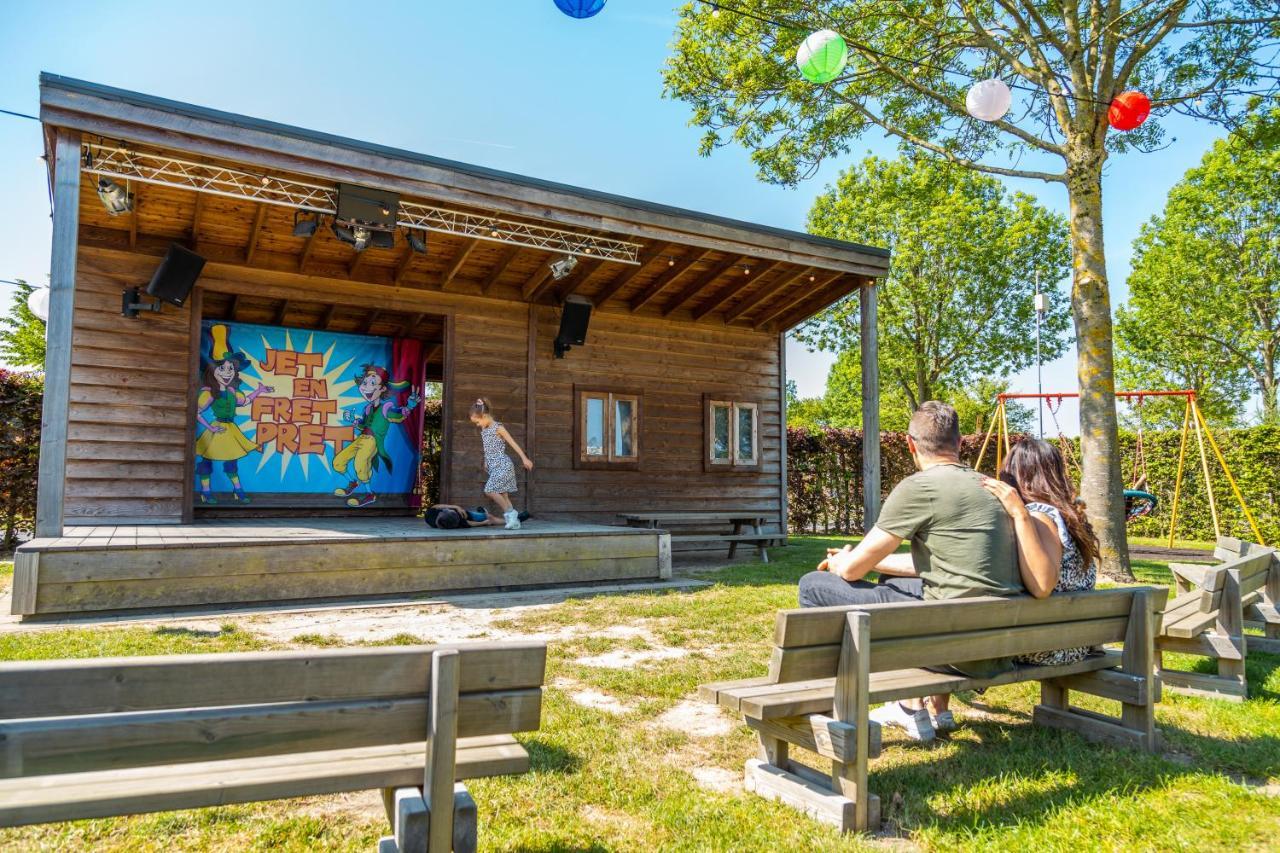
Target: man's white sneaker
916,724
513,519
943,721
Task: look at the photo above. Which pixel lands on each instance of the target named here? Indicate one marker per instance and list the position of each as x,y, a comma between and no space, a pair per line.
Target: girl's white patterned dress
502,472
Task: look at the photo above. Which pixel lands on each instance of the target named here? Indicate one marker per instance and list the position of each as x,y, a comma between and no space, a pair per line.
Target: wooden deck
123,567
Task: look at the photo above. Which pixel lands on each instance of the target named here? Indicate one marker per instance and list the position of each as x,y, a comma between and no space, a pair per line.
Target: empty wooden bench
689,527
1208,618
117,736
831,664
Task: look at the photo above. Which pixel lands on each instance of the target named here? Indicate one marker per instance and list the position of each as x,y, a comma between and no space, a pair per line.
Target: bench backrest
104,713
807,642
1253,562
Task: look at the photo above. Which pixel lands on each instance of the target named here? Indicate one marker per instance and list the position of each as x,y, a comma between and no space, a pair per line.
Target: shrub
21,396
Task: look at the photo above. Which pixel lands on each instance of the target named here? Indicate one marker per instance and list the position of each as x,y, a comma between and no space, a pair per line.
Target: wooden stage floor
231,561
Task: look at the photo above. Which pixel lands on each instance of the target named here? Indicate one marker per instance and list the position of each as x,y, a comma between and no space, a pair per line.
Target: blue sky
511,84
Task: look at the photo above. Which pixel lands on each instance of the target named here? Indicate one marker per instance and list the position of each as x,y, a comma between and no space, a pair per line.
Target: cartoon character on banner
368,451
222,441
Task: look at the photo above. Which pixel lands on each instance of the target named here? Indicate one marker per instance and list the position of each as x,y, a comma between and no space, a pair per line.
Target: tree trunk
1101,485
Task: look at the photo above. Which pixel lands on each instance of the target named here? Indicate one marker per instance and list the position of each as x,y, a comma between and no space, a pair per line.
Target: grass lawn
6,575
627,760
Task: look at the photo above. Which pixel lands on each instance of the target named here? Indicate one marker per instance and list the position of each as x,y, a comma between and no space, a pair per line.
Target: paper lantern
38,302
988,100
580,8
1128,110
822,56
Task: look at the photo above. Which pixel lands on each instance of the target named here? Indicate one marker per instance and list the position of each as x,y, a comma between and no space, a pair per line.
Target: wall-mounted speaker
574,318
176,275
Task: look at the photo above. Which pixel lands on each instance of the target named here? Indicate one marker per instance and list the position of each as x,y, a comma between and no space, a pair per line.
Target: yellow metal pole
1004,423
1000,436
1208,483
1253,525
1177,480
977,466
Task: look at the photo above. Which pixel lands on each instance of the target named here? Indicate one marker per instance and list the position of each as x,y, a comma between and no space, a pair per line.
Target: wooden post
783,519
57,362
1230,624
1138,658
853,679
1271,597
530,404
870,407
442,742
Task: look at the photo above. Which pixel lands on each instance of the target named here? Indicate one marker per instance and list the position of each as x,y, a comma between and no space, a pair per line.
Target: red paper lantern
1128,110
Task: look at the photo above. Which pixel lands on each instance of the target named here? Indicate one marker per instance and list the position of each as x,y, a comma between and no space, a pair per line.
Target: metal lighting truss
131,165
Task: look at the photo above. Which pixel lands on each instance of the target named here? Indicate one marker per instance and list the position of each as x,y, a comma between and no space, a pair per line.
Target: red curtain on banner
410,366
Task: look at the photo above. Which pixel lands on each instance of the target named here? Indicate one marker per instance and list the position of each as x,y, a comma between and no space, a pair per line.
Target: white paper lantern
38,302
822,56
988,100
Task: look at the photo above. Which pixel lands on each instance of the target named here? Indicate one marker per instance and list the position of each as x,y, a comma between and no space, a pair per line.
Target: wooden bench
748,527
831,664
1208,617
117,736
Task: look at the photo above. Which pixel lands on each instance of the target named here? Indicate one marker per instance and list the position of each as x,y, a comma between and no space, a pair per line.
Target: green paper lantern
822,56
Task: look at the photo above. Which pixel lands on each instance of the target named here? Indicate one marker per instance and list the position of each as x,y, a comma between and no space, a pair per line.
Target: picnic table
748,527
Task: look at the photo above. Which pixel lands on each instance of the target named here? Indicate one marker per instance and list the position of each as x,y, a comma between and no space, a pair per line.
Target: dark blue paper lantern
580,8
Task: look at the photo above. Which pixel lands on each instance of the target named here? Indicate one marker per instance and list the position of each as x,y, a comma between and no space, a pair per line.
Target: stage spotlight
115,198
562,267
304,227
356,235
382,239
417,242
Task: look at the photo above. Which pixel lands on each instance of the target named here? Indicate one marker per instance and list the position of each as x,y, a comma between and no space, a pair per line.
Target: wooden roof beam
402,268
625,276
535,282
232,306
259,216
133,215
281,312
195,219
499,268
700,283
719,301
822,301
356,264
371,319
308,246
458,261
580,275
802,296
326,322
765,293
681,267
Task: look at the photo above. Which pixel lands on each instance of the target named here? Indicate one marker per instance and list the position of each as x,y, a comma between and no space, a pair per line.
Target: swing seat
1139,504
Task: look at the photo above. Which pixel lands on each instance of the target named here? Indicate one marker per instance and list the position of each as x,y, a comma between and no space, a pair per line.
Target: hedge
824,479
21,396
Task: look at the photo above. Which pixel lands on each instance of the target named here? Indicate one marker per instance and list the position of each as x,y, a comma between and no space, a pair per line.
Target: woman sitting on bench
1057,549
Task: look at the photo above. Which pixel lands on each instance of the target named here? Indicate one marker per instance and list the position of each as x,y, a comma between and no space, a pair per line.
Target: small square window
607,429
732,435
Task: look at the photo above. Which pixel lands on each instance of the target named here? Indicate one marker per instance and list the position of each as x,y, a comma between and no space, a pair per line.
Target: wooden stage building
316,246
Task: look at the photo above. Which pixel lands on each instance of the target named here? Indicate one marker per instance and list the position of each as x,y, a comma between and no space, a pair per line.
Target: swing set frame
1193,419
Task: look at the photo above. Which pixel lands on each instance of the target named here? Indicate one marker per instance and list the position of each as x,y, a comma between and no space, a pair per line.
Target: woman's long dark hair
1035,468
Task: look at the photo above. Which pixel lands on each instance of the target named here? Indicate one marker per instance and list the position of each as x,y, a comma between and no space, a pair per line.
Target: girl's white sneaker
513,519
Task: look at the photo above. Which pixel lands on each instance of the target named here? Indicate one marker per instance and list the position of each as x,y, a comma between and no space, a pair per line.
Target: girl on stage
222,441
502,473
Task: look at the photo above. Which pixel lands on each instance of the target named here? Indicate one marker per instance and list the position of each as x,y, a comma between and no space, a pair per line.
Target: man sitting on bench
962,544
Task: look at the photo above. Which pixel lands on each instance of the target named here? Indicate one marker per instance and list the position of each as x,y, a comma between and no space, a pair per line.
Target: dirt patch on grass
627,658
718,780
696,719
589,697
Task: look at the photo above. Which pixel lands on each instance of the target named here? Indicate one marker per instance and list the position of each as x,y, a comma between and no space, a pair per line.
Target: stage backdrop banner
296,417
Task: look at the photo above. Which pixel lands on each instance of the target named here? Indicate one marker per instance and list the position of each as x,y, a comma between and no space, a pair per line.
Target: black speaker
176,275
573,324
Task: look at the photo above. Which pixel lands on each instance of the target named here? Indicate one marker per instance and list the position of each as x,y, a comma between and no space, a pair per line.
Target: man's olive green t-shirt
962,540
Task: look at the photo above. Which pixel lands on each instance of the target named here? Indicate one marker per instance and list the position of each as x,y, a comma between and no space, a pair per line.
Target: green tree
21,332
957,303
911,63
1204,305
